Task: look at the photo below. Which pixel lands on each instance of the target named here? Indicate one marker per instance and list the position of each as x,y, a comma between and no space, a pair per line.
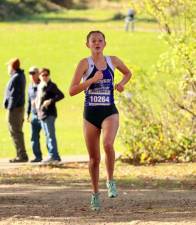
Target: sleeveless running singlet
100,93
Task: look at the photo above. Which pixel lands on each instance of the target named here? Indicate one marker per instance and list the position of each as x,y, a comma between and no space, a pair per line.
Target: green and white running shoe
95,202
112,192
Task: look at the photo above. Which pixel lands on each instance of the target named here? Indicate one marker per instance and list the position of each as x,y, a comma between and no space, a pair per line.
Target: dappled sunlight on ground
53,195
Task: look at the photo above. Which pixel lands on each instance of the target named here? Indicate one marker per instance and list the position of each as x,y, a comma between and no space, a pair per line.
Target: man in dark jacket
14,102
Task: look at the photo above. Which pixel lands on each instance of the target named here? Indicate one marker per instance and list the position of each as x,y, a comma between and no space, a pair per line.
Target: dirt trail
33,204
50,195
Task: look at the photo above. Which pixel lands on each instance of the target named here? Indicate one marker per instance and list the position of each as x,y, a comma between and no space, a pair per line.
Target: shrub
170,135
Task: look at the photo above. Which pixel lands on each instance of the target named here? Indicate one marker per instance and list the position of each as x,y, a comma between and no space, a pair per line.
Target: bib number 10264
100,99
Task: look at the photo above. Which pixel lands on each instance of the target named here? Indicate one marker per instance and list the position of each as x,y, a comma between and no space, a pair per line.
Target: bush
64,3
150,137
170,135
14,9
118,16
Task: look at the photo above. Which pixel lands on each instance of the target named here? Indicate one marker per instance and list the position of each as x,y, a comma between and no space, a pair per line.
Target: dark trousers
35,136
15,122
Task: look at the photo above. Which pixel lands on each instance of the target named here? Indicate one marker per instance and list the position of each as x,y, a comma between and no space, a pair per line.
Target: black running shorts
97,114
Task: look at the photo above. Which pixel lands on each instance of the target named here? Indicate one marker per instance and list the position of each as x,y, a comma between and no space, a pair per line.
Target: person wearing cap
14,102
47,95
31,110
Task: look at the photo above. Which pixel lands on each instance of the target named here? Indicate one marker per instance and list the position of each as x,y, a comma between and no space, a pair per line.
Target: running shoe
95,202
112,192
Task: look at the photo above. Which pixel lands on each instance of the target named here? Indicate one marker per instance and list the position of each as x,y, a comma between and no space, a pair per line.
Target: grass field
57,41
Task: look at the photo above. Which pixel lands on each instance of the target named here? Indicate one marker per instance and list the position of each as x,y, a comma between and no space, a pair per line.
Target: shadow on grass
48,20
74,175
58,19
146,20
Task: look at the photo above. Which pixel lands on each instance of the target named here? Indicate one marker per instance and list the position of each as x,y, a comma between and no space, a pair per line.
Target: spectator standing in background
47,95
14,102
31,110
130,19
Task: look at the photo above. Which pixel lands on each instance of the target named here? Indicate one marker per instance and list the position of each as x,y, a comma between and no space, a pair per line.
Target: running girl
100,112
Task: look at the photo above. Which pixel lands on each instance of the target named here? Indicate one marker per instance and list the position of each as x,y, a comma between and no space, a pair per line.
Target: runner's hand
119,87
98,76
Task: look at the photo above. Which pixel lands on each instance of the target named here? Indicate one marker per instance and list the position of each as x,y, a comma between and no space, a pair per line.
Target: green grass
59,45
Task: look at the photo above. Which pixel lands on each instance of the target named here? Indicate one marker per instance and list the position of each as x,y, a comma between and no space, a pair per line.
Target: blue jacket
15,91
32,93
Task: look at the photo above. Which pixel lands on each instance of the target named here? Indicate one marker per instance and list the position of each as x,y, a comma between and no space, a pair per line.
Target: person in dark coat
47,95
14,102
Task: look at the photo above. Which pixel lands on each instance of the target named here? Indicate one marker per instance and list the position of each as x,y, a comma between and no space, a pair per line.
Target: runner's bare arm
123,69
76,87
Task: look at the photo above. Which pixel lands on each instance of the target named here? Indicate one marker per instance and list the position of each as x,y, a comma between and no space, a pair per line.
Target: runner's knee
94,161
108,146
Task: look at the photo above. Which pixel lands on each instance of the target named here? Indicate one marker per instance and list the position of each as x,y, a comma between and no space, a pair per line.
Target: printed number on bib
100,99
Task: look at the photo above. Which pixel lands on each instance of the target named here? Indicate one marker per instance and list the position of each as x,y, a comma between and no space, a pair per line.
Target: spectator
14,102
31,110
48,94
130,18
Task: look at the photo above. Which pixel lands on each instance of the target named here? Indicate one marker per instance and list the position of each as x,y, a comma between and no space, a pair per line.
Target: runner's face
96,43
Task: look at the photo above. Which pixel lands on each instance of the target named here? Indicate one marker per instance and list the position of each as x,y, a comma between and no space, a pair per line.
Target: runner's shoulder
83,63
114,60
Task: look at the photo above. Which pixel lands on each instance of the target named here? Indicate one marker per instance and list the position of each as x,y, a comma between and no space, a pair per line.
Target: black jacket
15,91
52,92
